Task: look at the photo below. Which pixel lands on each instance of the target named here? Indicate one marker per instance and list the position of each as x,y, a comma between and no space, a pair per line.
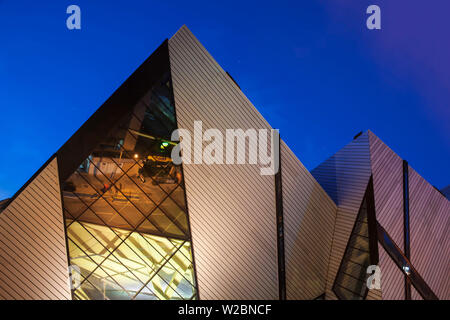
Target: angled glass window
350,283
125,211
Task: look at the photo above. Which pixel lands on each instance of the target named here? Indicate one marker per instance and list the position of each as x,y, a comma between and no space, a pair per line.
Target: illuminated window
125,211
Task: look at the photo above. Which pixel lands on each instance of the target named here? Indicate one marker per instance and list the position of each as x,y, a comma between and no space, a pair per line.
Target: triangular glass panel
124,206
350,282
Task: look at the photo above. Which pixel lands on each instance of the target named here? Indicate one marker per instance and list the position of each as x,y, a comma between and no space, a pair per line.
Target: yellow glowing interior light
150,266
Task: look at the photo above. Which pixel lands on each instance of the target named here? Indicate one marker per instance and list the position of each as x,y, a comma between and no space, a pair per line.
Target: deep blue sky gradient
310,67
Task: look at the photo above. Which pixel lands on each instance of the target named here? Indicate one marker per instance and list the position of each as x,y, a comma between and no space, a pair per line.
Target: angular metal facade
388,188
430,230
156,230
33,255
309,219
344,176
235,257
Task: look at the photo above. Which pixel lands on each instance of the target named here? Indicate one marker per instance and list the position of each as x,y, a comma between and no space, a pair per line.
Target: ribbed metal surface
231,207
387,172
430,241
344,176
392,279
309,217
374,294
33,257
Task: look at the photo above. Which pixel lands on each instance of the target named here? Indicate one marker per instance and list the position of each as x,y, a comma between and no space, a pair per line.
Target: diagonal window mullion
130,232
98,266
96,263
113,184
129,270
162,201
169,260
165,261
143,215
134,136
137,162
352,276
82,212
95,287
167,194
88,207
164,258
145,284
160,268
174,268
93,188
356,263
123,241
120,243
193,296
359,249
157,205
101,196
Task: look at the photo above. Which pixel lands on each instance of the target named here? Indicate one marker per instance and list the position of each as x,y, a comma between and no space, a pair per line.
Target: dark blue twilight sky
311,67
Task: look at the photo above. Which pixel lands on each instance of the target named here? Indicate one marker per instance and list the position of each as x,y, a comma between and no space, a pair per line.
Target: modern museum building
111,216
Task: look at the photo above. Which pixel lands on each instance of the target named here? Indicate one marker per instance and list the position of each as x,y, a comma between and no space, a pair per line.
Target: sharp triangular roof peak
346,174
107,117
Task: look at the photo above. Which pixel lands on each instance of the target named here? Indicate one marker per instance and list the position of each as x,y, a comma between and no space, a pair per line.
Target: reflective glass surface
350,283
125,211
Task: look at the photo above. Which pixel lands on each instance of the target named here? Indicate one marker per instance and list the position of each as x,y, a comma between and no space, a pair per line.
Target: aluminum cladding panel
231,207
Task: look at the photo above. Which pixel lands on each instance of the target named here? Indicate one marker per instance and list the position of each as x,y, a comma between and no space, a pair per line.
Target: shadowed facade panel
33,256
344,176
387,171
309,216
392,278
231,207
430,241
